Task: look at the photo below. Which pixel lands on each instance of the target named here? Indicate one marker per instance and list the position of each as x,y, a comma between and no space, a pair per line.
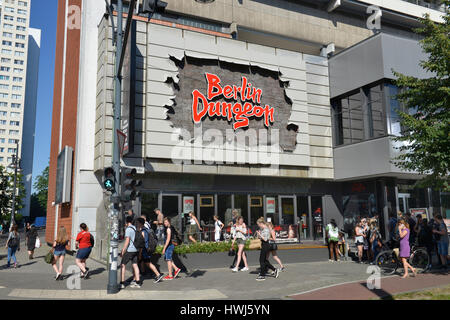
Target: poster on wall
286,233
270,205
188,204
422,211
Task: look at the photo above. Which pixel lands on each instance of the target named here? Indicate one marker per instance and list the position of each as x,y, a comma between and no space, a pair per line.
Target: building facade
19,68
235,105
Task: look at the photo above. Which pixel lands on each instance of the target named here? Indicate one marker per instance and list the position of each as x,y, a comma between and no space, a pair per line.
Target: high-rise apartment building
19,66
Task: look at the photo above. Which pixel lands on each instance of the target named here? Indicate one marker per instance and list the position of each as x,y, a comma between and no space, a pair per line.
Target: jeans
12,254
263,261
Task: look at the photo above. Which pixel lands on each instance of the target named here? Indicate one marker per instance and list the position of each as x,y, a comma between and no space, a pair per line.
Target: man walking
145,257
159,226
130,253
169,247
442,242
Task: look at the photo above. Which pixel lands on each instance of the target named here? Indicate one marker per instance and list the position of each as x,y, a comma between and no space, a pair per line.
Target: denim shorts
59,253
443,248
83,254
169,253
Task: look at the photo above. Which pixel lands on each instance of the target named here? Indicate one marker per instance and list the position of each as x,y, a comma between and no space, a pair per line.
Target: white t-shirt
217,225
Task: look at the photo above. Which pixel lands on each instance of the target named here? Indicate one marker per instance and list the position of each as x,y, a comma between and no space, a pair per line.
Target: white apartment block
19,47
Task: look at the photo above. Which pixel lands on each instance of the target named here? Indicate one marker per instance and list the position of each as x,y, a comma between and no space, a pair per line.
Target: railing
208,234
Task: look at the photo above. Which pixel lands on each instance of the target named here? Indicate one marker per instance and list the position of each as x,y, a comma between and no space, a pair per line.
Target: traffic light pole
113,213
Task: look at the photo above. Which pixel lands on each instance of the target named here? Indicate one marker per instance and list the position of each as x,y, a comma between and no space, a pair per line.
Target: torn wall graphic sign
245,103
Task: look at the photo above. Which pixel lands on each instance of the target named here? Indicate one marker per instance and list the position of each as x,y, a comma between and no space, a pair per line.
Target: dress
405,250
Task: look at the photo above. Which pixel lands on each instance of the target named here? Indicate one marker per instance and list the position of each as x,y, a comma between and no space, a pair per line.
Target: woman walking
359,240
405,250
333,239
59,251
13,245
264,235
273,238
169,247
194,226
30,239
83,243
241,238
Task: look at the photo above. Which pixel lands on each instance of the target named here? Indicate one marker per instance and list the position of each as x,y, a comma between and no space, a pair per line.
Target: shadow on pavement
26,264
197,273
96,271
384,295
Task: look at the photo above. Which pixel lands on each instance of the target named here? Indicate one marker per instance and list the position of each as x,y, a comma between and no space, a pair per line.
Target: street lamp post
14,163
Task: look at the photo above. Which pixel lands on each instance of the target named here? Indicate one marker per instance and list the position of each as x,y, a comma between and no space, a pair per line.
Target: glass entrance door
403,202
171,207
288,210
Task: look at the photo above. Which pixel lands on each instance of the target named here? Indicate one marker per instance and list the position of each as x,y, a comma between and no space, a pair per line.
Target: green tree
6,194
426,132
41,187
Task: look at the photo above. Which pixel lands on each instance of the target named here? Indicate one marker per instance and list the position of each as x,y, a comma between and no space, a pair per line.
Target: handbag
49,257
273,245
255,244
38,243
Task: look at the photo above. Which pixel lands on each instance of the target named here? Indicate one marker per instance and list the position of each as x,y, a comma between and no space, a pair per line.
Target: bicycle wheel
387,262
419,260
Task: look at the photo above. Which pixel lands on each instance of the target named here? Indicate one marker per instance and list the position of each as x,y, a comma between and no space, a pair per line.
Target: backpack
176,240
333,232
13,242
152,241
139,241
91,238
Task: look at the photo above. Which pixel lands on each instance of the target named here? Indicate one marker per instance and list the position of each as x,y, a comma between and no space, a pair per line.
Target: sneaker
134,284
329,260
85,275
283,269
122,285
15,265
159,278
244,269
57,277
235,270
177,272
260,278
277,273
168,278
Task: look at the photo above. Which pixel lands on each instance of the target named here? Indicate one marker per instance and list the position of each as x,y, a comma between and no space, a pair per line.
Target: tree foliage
6,194
425,140
41,187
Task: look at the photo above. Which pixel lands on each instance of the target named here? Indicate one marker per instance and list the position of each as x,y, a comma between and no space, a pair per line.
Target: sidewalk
389,286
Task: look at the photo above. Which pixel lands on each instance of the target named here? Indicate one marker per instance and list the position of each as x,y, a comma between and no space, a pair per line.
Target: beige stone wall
309,91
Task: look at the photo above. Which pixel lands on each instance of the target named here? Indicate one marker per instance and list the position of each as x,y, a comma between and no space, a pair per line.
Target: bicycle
388,260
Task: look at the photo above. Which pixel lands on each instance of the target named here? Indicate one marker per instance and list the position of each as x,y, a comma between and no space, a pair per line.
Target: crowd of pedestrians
404,233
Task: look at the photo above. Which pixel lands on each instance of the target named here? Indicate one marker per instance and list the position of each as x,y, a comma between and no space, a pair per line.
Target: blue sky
43,16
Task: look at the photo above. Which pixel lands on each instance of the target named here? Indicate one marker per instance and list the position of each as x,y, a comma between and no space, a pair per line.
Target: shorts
59,253
443,248
130,256
169,253
192,230
84,253
240,241
359,244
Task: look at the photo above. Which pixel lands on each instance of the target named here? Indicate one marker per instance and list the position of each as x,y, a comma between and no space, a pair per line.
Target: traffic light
152,6
109,179
129,185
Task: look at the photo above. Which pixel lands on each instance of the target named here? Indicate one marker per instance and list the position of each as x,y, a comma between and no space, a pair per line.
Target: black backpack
13,242
91,238
152,241
139,241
